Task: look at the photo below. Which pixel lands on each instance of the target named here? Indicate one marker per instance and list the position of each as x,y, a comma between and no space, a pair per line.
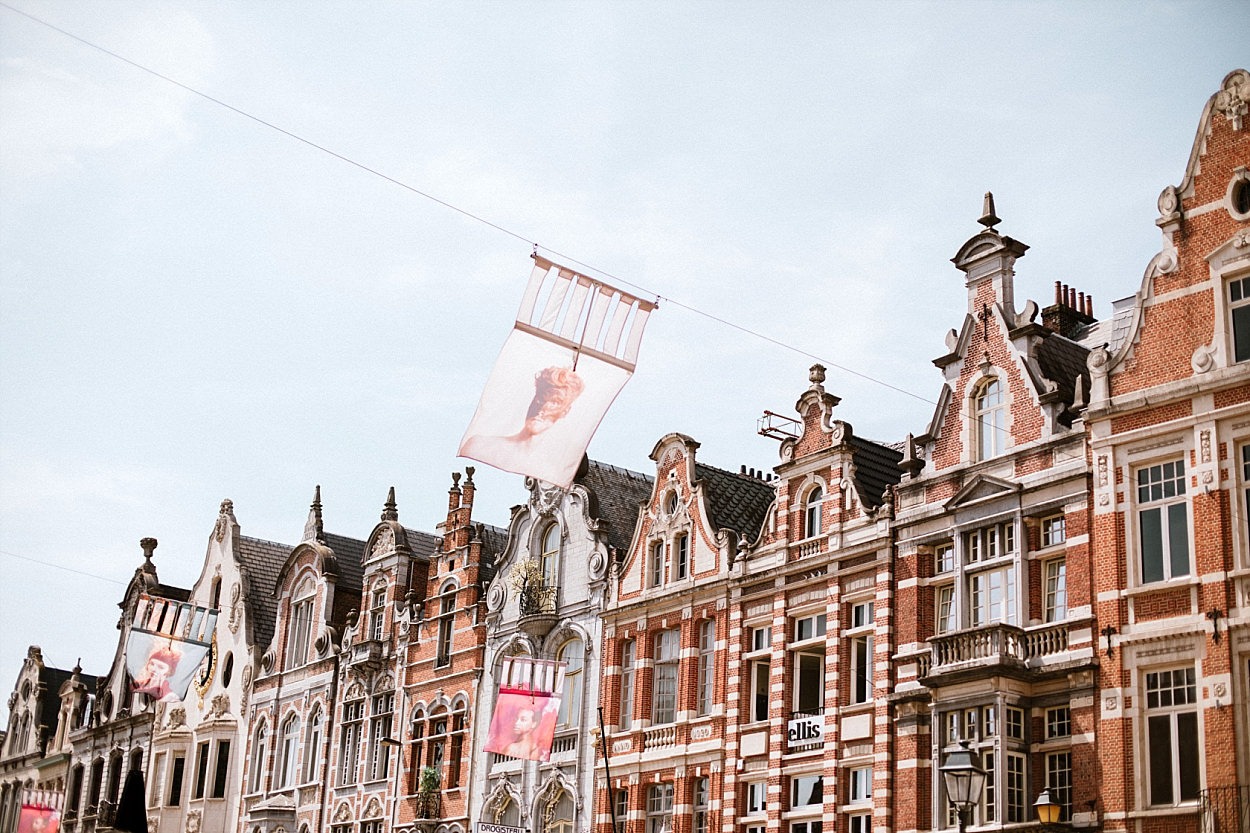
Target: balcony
370,654
537,608
663,737
1225,809
997,648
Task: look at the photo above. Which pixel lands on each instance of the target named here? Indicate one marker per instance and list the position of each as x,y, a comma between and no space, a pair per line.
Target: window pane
1178,539
1241,333
1151,523
1187,757
1160,728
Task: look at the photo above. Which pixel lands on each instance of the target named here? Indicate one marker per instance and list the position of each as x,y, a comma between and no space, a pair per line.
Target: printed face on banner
537,414
160,667
38,820
523,725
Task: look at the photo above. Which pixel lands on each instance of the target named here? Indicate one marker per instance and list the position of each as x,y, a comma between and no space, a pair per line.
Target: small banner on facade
574,346
524,722
41,812
168,641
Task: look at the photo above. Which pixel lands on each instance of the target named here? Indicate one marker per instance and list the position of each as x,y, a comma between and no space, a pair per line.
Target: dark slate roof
349,553
618,495
735,501
876,467
494,540
1061,361
422,544
263,561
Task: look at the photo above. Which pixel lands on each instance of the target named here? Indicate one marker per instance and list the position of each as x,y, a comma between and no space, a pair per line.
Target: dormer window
300,633
551,555
377,612
988,410
811,514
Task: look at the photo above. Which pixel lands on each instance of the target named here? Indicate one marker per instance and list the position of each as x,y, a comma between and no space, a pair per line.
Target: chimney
1070,312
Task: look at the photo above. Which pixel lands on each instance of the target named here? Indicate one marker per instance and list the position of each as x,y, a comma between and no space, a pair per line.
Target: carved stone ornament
1169,200
597,564
1102,471
343,813
236,614
1203,359
193,822
373,808
1220,689
1241,240
385,541
1205,442
1111,703
177,717
1233,99
223,519
220,705
547,499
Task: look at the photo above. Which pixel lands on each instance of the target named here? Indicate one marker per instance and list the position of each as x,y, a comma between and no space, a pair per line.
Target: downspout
330,727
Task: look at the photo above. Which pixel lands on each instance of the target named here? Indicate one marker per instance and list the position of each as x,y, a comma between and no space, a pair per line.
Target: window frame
1182,769
1055,589
1170,473
860,640
813,512
989,419
629,653
706,670
665,667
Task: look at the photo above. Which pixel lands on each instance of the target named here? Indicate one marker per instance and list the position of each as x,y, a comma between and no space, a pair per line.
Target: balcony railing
1225,809
661,738
997,644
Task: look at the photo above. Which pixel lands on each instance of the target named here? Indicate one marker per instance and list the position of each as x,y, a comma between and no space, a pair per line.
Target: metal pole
607,768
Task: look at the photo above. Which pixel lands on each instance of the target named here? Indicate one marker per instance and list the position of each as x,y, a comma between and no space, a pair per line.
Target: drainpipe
330,727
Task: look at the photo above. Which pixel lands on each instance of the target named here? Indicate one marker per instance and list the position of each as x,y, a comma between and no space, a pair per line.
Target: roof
494,540
876,467
735,501
1061,361
349,554
262,561
618,497
422,544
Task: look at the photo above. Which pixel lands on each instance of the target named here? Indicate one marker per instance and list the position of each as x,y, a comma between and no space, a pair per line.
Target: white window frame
1054,589
1054,530
1161,492
665,663
860,639
1171,705
806,786
628,656
756,798
813,522
300,640
989,415
859,785
706,681
681,556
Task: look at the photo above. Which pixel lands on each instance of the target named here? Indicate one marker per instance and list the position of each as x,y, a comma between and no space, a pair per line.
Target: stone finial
1233,99
988,218
816,374
468,475
149,546
313,528
911,463
390,511
455,480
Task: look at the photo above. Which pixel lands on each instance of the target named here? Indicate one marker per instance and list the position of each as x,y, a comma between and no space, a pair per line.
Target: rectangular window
945,614
1015,723
806,790
201,769
154,794
805,826
761,638
1015,788
659,808
175,781
222,769
622,810
989,722
809,682
759,690
627,684
1058,722
1056,579
664,693
861,652
377,613
1172,729
809,627
1059,782
757,792
1245,480
301,631
707,666
682,545
1239,308
860,785
1054,530
859,823
657,564
943,559
701,804
993,596
1163,521
380,729
989,801
349,747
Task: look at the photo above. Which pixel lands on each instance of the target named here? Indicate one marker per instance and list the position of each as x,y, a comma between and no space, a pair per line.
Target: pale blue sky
194,307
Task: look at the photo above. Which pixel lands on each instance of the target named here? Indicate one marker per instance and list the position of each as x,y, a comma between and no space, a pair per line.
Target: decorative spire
468,475
988,218
390,512
816,375
149,546
313,530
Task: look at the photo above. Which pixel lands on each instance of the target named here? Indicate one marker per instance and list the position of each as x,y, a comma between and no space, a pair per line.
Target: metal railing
1225,809
1001,643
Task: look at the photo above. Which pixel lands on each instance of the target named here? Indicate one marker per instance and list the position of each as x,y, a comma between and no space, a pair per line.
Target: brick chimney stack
1071,311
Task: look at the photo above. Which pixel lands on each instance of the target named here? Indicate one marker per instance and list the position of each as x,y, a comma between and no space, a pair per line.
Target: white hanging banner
574,346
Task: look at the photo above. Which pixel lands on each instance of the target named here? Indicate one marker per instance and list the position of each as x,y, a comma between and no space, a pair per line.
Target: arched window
377,612
572,653
812,523
457,747
288,748
312,745
115,775
550,558
446,623
558,813
418,747
260,757
988,410
438,740
299,629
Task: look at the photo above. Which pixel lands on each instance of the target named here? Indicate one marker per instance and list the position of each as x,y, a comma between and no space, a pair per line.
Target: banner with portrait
40,813
523,724
573,347
168,640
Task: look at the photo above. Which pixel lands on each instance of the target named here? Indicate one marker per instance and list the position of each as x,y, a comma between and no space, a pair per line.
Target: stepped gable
262,562
876,467
735,501
1061,361
617,494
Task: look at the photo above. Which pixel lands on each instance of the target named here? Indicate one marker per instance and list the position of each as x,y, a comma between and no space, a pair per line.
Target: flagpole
607,768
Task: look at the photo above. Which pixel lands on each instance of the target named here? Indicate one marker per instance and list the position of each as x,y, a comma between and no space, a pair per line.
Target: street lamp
1047,808
964,780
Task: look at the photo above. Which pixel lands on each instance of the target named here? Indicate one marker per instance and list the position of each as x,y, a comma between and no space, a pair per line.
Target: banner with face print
573,347
523,724
40,813
168,641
